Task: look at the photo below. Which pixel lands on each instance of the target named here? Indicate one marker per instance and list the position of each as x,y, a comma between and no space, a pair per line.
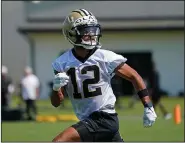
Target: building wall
167,48
15,48
107,9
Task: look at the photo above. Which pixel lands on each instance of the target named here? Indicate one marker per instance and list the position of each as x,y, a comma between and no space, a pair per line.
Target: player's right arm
57,97
59,81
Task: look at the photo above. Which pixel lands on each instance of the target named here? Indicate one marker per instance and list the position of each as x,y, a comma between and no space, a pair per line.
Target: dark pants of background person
31,105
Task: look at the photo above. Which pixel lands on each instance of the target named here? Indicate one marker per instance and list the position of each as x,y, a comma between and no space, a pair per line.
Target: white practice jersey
89,87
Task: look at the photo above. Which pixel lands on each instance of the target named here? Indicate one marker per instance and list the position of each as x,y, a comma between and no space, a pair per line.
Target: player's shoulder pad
60,62
64,57
106,53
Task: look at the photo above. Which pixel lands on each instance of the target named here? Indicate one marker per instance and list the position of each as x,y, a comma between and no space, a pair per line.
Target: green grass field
131,127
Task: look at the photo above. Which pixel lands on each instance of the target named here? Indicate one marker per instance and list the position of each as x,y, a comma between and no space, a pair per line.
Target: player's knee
58,139
55,139
66,138
63,140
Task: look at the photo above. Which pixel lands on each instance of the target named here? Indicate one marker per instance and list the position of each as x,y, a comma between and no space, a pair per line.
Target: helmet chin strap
86,44
91,47
88,47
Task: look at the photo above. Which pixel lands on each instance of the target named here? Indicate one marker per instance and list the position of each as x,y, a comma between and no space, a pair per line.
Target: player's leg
99,127
164,111
107,127
117,137
68,135
78,132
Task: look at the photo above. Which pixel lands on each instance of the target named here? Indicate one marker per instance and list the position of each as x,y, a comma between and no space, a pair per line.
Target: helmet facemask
88,36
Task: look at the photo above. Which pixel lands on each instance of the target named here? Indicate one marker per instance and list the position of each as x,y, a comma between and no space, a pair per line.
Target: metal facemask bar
88,34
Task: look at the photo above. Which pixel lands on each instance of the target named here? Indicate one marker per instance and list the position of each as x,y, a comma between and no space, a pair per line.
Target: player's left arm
127,72
117,64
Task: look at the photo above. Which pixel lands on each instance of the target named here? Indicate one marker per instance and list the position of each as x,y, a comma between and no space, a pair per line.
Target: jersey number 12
86,82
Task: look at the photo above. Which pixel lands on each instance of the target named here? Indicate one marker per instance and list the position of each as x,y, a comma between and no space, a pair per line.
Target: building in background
147,30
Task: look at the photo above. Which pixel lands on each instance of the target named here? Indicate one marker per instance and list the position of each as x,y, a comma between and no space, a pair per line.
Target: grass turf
131,127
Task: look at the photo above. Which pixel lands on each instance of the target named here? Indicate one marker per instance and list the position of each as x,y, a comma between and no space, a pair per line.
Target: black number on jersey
72,73
86,82
94,80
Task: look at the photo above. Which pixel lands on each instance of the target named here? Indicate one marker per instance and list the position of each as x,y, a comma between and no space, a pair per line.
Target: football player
85,71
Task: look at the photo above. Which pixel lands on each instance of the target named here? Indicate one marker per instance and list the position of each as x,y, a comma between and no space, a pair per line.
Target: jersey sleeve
113,61
57,67
60,63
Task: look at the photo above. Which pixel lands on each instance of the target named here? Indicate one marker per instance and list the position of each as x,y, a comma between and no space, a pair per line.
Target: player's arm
128,73
57,96
125,71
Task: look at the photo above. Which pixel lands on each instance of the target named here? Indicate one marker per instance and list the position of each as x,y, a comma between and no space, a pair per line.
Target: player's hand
149,116
60,80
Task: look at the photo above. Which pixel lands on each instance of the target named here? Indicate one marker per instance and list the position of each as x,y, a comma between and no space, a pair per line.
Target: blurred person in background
86,71
154,88
7,88
30,92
